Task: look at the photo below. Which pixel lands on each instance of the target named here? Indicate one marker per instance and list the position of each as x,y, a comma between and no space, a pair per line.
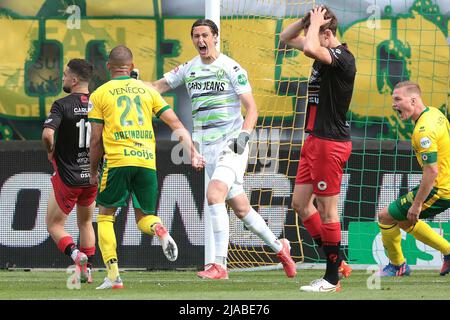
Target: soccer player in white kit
217,85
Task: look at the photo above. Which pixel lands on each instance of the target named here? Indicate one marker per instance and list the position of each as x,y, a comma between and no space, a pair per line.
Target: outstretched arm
160,85
170,118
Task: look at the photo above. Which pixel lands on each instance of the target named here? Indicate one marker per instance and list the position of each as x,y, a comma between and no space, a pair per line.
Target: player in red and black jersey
328,145
66,137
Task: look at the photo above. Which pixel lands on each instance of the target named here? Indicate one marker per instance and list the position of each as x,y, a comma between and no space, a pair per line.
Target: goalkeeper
217,86
431,143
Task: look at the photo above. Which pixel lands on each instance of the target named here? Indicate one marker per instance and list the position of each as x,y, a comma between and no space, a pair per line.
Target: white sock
74,254
256,224
221,227
221,260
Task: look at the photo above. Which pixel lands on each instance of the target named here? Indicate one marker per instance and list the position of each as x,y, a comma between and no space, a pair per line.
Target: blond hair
410,87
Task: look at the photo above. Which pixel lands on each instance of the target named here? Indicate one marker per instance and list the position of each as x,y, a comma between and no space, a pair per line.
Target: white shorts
224,165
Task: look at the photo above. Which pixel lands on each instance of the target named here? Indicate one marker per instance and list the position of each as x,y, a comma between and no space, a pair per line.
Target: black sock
69,249
90,262
319,243
333,261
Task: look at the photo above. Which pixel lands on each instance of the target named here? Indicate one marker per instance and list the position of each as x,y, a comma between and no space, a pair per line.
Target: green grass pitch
255,285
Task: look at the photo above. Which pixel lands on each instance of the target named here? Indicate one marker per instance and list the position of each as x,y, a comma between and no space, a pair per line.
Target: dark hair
332,25
82,68
120,55
207,23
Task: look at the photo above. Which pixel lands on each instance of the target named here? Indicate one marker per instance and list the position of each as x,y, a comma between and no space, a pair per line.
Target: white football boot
321,285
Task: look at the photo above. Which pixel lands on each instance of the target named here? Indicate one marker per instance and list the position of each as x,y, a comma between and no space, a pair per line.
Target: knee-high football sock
221,227
107,244
392,240
146,223
331,238
112,267
424,233
256,224
313,224
68,247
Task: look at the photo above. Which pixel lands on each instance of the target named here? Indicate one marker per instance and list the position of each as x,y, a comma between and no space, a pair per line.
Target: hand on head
318,16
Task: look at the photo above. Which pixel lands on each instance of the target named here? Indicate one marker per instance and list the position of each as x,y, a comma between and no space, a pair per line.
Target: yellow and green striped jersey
126,106
431,143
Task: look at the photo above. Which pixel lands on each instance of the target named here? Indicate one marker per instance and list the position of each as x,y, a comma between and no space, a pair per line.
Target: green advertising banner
365,245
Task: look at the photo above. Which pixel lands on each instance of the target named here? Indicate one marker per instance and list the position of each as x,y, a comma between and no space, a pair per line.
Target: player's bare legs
216,192
330,237
55,221
303,200
303,204
84,221
87,238
329,207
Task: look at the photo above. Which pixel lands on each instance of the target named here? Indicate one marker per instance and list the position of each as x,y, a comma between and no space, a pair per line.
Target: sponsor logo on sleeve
90,106
425,142
424,157
242,79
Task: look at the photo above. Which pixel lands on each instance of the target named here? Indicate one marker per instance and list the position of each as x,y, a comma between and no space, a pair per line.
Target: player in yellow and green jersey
120,114
431,144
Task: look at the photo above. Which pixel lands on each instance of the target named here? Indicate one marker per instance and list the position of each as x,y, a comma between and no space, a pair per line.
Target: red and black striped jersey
68,117
330,90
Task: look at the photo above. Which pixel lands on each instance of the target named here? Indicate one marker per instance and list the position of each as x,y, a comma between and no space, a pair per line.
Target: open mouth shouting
202,49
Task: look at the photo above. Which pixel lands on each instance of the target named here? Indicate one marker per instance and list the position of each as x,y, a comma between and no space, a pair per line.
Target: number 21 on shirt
128,104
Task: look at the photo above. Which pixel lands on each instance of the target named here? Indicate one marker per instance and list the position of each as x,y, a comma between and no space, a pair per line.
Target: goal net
388,47
250,35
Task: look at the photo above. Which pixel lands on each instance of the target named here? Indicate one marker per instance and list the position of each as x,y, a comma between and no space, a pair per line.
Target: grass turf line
258,285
